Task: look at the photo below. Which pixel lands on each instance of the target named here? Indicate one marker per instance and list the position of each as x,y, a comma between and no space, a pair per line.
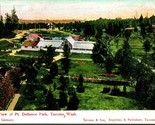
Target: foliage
11,23
53,70
151,97
73,102
47,55
80,87
109,64
63,99
65,62
125,58
6,91
147,45
89,29
15,76
51,102
106,90
101,50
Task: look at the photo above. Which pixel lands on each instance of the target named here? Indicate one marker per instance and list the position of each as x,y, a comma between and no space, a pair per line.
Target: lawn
80,56
10,59
136,45
49,33
30,53
86,68
4,45
91,99
94,99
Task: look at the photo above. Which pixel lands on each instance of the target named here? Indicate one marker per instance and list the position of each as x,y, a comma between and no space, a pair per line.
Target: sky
78,9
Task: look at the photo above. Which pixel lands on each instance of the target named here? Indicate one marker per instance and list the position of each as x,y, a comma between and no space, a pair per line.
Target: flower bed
81,63
103,81
108,75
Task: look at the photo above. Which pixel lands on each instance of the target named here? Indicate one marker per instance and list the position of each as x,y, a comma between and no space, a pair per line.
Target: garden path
80,59
17,96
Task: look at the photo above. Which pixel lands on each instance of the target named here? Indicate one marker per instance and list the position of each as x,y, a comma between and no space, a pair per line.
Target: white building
75,46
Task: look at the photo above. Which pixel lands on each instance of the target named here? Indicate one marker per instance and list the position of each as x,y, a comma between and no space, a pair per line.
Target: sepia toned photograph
75,55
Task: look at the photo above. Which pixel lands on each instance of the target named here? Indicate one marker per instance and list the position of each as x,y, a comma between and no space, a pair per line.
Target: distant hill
48,21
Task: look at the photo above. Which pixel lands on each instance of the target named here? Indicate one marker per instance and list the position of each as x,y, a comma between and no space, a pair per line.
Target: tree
143,31
47,56
73,102
64,83
101,50
89,29
66,61
14,18
151,97
124,57
15,76
80,87
53,70
99,32
8,18
51,102
102,54
96,53
109,64
6,91
141,19
147,46
81,79
11,23
1,28
63,99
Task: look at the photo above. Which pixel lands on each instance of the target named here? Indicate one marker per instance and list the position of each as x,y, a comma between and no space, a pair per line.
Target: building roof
54,43
33,37
76,45
71,40
30,43
83,45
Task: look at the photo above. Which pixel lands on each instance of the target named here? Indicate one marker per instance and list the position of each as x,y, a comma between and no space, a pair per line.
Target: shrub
73,102
63,99
106,90
80,89
115,91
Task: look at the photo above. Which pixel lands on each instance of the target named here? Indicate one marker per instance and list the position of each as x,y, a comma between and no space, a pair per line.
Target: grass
87,68
136,45
81,56
93,99
4,45
48,33
31,53
10,59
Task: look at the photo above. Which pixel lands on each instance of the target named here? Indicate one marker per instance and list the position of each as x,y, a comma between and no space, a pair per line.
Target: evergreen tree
80,87
66,61
109,64
14,18
89,29
147,46
125,58
63,99
51,102
73,102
